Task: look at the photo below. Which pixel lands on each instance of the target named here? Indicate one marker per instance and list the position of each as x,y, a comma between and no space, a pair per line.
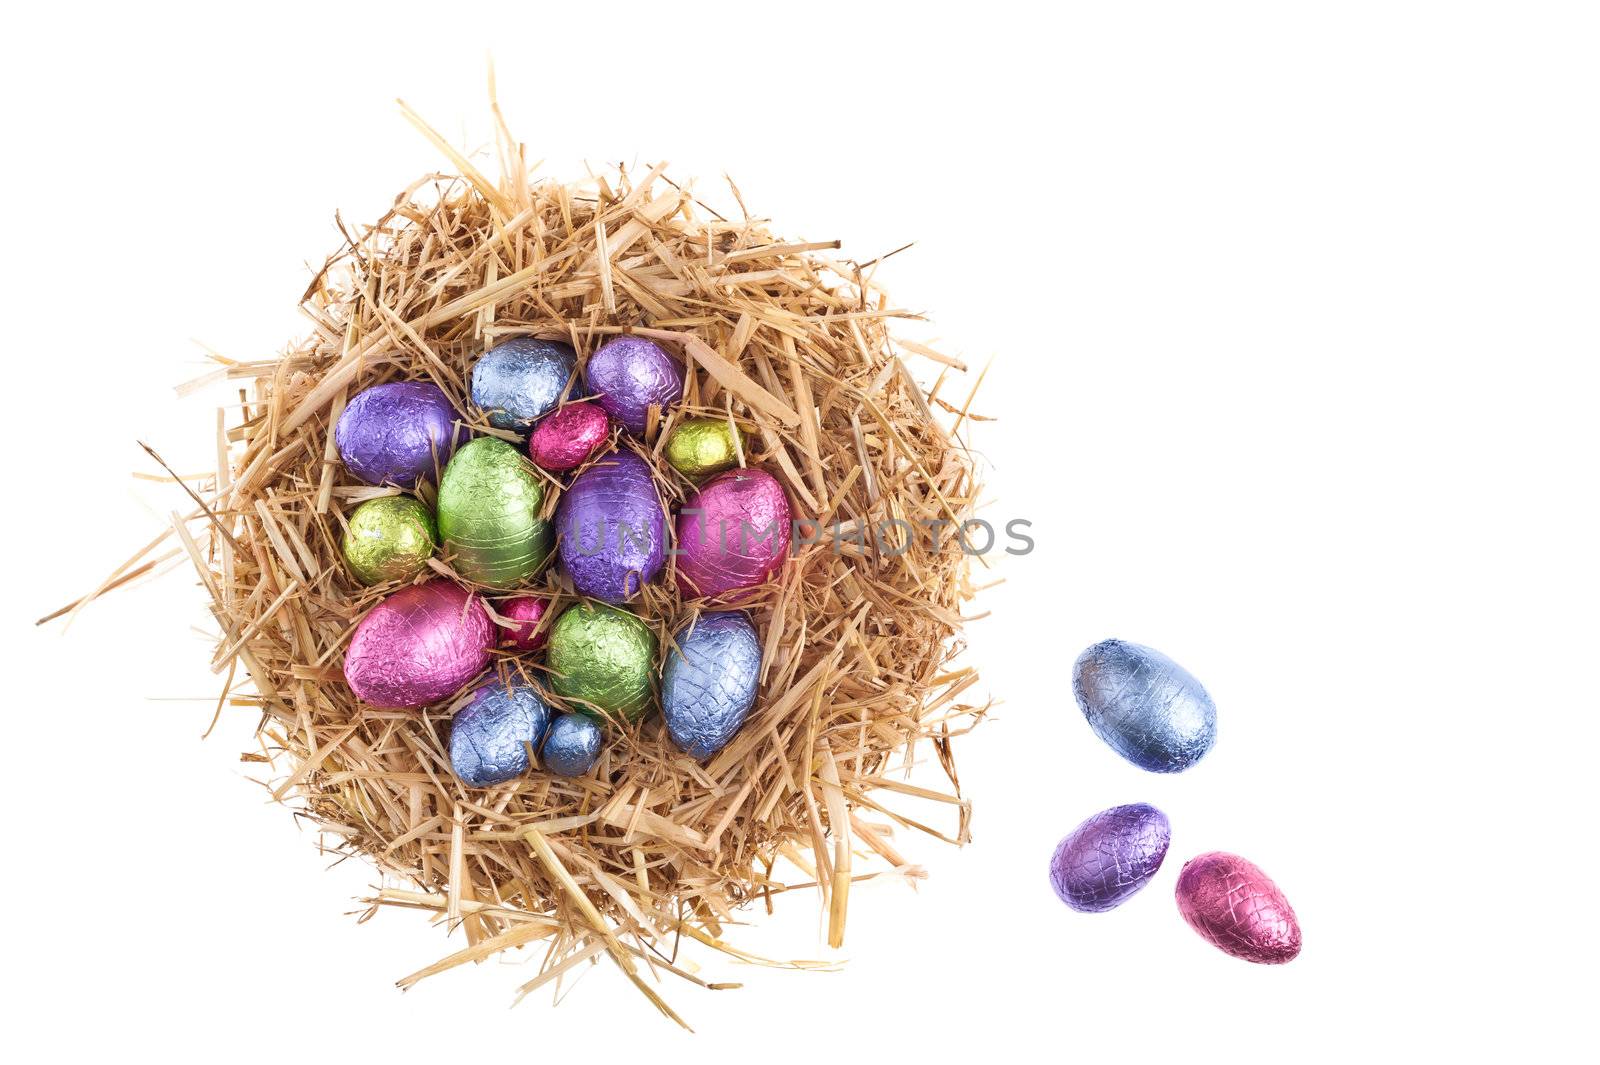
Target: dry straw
859,631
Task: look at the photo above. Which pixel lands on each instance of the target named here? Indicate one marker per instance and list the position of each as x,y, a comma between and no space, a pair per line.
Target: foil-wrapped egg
524,613
732,534
489,500
1144,705
519,381
700,447
572,747
418,645
389,538
566,437
628,375
490,737
397,433
613,528
1106,860
1238,908
709,682
601,660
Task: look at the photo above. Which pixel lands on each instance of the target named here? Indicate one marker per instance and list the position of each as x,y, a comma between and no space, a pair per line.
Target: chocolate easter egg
572,747
1144,705
490,737
732,534
1111,856
524,613
709,682
566,437
613,528
520,380
629,374
389,538
418,645
1238,908
601,660
397,433
700,447
489,500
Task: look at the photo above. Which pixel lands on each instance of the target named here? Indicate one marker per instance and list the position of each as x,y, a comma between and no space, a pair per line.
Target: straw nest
858,630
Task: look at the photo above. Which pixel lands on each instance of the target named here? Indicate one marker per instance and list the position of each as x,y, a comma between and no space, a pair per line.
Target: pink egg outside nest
732,534
418,645
525,611
565,438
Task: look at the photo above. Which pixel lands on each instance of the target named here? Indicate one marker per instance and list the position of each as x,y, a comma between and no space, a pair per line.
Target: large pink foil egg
733,533
524,613
1238,909
565,438
419,645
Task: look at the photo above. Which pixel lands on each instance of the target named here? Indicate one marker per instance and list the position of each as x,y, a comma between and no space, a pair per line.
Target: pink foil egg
565,438
419,645
525,611
1238,909
732,534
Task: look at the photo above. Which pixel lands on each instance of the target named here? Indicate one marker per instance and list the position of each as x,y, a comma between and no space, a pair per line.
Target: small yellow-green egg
700,447
390,538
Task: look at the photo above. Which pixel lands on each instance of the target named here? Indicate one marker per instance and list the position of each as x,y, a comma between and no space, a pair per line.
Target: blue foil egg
521,380
710,680
573,745
490,736
1106,860
1144,705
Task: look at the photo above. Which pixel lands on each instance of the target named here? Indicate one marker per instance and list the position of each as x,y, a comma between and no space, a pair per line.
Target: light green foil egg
699,447
390,538
601,660
489,499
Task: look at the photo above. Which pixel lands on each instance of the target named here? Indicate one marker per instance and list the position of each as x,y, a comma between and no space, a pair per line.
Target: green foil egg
390,538
601,660
699,447
489,500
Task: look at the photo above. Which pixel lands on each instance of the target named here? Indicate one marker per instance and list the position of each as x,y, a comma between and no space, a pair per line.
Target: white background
1294,311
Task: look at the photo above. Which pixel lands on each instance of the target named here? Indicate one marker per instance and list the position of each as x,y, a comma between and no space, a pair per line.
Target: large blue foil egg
521,380
1144,705
573,745
710,681
490,736
1104,861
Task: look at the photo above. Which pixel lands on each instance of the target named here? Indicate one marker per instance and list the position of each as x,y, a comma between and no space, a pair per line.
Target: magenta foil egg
628,375
565,438
524,613
1238,909
612,528
732,534
418,645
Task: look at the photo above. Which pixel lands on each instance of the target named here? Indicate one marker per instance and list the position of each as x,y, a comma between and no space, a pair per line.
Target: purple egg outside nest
613,528
629,374
397,433
1106,860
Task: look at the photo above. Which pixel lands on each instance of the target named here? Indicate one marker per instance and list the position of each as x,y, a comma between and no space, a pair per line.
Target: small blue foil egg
573,745
489,737
1104,861
710,681
521,380
1144,705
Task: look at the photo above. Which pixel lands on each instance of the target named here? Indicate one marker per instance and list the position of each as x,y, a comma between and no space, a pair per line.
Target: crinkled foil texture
628,374
489,499
520,380
1106,860
565,438
418,645
612,527
732,534
709,683
572,747
525,611
389,538
1144,705
1238,909
601,659
391,433
491,735
700,447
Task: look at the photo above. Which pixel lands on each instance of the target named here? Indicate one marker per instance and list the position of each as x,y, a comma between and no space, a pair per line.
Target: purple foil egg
565,438
1238,909
419,645
397,433
1106,860
628,375
732,534
613,529
524,612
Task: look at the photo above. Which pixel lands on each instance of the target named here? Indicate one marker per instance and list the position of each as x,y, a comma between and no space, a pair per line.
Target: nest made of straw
858,629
